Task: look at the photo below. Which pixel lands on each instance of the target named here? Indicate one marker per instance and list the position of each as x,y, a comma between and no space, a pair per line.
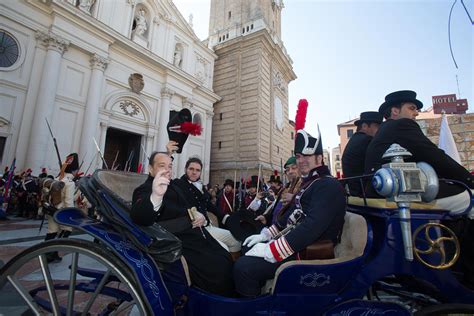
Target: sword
100,153
115,160
55,145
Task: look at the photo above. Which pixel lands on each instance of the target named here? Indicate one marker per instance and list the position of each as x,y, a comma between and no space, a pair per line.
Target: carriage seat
353,243
383,203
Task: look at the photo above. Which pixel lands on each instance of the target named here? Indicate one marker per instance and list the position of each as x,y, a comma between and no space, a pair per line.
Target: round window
9,50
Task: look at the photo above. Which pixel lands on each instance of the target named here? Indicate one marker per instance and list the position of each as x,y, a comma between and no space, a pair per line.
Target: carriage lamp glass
9,50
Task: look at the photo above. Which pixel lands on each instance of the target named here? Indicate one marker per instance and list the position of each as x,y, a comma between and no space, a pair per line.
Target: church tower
251,127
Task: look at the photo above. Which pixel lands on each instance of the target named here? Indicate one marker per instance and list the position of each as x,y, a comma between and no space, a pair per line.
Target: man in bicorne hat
353,157
315,214
401,109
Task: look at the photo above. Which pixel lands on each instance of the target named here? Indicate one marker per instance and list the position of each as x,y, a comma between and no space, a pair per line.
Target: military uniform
322,201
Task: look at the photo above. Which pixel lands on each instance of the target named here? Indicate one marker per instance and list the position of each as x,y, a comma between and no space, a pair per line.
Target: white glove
264,236
262,251
255,204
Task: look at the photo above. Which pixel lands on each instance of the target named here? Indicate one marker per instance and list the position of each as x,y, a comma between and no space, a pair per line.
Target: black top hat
369,117
306,144
253,182
399,97
176,119
229,182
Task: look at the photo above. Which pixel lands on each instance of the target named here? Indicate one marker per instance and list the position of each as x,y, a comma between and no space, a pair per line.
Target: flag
446,140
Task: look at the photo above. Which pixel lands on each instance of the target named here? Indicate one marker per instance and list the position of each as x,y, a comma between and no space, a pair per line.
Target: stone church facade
100,70
251,128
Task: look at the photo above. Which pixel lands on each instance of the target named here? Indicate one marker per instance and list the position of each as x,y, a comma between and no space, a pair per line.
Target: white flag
446,140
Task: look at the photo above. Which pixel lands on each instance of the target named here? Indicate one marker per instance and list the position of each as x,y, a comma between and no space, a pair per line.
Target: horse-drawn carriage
395,258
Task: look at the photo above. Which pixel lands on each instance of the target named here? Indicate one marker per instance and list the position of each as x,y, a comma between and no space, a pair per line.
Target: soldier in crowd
243,223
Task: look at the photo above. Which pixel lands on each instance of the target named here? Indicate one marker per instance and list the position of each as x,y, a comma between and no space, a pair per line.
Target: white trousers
456,204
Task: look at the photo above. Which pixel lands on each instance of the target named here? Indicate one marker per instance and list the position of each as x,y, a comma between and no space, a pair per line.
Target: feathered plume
187,128
275,172
300,119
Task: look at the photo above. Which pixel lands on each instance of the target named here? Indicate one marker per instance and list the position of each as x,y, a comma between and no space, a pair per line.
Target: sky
348,55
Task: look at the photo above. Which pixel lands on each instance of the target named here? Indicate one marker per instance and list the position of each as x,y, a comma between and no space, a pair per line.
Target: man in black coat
316,213
353,158
400,109
190,183
162,200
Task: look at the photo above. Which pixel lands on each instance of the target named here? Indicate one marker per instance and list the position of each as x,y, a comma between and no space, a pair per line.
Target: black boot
50,236
52,256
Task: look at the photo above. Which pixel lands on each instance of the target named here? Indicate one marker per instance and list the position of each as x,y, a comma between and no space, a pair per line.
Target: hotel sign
449,104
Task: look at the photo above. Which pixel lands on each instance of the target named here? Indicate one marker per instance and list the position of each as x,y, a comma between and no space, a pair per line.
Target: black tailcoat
353,159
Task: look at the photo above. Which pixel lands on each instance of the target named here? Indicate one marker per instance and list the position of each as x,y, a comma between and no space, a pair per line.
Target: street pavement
16,235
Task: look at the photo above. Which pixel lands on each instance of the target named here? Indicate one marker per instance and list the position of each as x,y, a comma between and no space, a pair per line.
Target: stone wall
462,128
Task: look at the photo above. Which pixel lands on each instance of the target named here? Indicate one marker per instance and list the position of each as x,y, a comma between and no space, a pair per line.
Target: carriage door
123,148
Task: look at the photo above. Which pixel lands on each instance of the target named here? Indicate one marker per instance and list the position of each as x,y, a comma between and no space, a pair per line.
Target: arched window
9,50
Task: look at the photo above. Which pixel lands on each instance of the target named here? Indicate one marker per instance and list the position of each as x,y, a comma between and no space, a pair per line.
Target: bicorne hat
173,127
306,144
399,97
369,117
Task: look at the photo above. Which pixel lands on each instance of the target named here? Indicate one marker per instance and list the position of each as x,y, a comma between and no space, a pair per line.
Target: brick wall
462,128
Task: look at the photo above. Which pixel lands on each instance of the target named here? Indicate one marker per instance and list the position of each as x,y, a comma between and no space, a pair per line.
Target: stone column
148,148
207,146
56,46
91,113
166,95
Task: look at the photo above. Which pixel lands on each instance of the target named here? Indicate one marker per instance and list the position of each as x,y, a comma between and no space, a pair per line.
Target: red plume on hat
300,119
187,128
275,172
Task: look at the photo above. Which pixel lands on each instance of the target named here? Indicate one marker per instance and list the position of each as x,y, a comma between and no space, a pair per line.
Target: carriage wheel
89,280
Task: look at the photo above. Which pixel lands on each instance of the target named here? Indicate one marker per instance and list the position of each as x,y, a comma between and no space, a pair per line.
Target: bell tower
251,75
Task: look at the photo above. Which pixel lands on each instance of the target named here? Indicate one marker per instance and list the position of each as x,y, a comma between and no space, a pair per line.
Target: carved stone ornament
99,62
279,82
129,108
52,41
136,82
4,122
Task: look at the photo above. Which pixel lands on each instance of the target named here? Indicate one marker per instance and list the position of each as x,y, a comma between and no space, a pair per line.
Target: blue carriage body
300,288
